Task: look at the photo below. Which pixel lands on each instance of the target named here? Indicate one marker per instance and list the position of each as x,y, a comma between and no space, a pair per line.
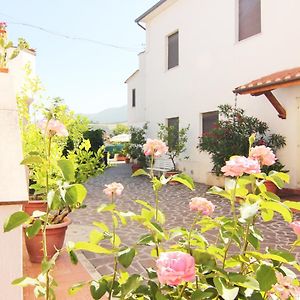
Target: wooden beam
277,105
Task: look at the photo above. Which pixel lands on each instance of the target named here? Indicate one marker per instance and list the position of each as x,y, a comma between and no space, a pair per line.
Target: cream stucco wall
212,63
13,186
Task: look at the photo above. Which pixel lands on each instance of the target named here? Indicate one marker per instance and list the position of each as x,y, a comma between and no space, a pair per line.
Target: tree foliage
230,136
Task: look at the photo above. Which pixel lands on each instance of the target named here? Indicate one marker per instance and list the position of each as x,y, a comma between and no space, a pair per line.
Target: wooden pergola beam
276,104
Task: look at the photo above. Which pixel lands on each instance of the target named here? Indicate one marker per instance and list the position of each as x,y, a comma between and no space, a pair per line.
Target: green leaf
33,229
101,225
266,277
140,172
227,292
125,257
292,204
15,220
32,159
209,293
146,239
267,215
220,192
131,285
73,257
67,168
24,281
244,281
278,207
98,289
185,180
251,139
75,195
91,248
106,207
74,289
96,236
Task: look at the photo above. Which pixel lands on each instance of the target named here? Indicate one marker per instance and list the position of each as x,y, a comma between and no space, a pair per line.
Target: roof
150,10
136,71
284,78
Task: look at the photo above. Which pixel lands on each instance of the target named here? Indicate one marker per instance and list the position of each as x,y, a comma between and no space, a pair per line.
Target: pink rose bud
53,127
238,165
155,148
296,227
202,205
174,268
113,189
263,154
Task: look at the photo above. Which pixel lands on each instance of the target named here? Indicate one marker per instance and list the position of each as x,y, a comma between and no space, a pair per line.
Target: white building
198,51
13,186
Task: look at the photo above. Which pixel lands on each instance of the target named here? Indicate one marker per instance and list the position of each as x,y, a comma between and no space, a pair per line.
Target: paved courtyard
173,202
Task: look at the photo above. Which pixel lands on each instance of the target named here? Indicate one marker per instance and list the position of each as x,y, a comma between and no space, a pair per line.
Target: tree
175,139
120,128
231,133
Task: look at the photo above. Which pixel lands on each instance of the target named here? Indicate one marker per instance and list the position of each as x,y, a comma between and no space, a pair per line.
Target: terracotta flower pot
271,187
55,240
3,70
135,167
121,158
171,173
33,205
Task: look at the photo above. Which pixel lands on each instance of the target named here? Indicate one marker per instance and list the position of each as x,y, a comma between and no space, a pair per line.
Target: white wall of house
13,187
212,62
137,82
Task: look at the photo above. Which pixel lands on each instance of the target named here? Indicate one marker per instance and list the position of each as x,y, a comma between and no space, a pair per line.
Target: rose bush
234,265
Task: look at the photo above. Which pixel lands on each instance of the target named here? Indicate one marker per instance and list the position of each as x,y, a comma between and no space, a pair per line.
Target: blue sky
90,77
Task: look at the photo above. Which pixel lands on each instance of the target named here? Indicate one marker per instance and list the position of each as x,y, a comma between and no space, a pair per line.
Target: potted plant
7,49
63,195
176,141
135,147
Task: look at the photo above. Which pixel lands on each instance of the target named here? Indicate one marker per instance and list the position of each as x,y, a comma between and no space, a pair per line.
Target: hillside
109,116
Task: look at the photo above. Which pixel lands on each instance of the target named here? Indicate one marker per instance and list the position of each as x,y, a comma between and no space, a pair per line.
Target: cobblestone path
173,202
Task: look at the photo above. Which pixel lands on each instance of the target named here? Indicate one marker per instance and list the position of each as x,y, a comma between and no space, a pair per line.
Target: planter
271,187
33,205
55,240
135,167
121,157
3,70
127,160
172,173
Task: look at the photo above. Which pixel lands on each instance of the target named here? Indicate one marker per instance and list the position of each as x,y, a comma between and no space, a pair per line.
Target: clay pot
121,157
3,70
171,173
33,205
271,187
135,167
55,240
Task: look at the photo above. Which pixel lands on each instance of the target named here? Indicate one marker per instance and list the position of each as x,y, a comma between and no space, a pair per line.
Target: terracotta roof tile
275,80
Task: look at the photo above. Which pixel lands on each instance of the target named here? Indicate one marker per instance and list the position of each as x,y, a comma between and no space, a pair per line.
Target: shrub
230,136
95,137
175,139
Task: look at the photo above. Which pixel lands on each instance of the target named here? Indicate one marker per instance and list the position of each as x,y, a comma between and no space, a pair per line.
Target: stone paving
173,202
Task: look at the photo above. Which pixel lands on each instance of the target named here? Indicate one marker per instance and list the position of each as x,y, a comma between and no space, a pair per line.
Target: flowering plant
6,46
187,265
233,265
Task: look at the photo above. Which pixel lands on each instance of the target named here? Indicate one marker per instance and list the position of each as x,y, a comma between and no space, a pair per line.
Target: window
249,18
133,98
173,51
209,120
173,126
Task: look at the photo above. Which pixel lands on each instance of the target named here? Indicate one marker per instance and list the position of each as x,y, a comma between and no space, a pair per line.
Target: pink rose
113,189
173,268
53,127
296,227
263,154
284,288
155,148
238,165
202,205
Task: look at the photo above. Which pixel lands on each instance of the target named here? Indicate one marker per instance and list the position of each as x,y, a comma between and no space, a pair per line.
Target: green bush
230,136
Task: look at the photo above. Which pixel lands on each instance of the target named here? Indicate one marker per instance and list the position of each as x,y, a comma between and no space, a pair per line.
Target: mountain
109,116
